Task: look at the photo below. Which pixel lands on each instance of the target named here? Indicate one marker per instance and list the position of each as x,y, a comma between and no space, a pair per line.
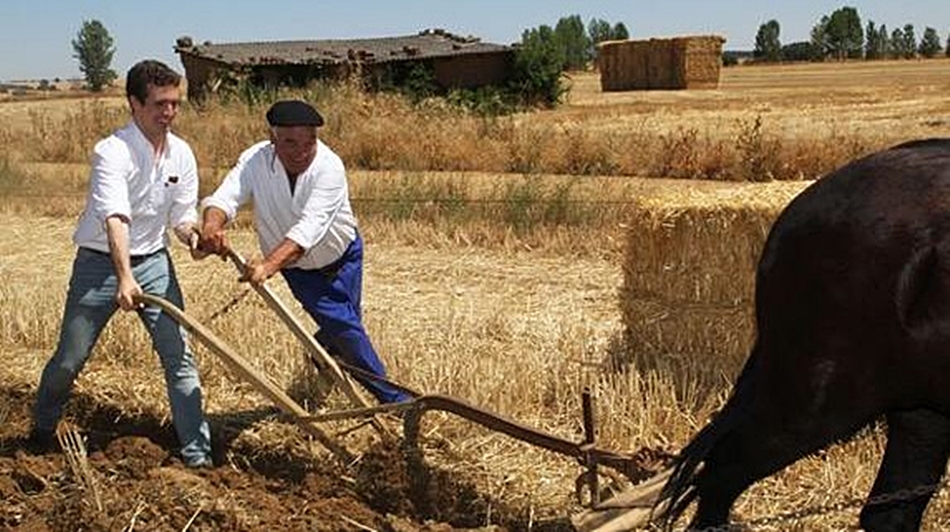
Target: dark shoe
42,442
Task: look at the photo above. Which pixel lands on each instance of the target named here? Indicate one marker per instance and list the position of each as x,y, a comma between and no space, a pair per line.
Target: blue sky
35,35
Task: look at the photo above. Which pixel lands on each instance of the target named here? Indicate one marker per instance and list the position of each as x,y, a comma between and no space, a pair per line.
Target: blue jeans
331,296
90,304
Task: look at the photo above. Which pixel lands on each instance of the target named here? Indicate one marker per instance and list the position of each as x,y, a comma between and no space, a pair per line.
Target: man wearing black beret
307,231
289,113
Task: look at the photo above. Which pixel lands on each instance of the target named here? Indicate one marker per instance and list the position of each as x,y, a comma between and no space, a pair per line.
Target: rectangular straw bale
661,69
625,65
716,337
702,246
695,254
701,61
689,267
672,63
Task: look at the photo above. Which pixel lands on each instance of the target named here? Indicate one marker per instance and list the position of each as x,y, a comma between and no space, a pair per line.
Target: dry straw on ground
444,322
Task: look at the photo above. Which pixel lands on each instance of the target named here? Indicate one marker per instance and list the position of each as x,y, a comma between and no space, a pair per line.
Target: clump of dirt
137,483
393,483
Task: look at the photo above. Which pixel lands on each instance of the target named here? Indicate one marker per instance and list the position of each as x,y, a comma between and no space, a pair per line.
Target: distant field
880,99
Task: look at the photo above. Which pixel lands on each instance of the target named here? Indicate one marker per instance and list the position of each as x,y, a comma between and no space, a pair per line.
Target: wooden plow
626,511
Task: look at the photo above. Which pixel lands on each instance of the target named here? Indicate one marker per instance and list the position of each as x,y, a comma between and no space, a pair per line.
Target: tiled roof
427,44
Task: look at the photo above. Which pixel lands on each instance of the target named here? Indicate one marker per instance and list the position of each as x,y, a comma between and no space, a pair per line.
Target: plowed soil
137,483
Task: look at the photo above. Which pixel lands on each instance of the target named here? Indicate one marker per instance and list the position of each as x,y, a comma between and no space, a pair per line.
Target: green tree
571,35
840,35
873,47
947,48
908,45
94,49
619,32
929,43
819,38
599,31
801,51
885,42
768,47
539,63
897,43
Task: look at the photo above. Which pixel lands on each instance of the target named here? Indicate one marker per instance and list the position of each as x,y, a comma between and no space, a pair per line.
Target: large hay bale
627,62
712,334
689,271
661,69
700,60
677,63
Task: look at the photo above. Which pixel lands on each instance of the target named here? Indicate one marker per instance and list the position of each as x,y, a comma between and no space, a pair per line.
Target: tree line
842,35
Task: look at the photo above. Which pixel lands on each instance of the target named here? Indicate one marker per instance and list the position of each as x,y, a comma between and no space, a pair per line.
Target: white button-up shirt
153,193
317,216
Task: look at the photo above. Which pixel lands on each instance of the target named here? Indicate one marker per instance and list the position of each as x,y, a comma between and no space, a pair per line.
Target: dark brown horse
853,325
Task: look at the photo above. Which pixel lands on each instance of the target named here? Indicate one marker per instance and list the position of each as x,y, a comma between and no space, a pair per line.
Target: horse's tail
681,488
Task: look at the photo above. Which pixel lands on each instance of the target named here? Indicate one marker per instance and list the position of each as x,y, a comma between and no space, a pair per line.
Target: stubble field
518,319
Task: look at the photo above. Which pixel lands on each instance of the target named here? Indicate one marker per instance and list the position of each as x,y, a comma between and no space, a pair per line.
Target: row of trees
841,35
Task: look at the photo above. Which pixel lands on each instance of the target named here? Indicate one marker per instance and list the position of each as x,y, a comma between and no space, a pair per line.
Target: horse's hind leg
776,433
918,445
755,449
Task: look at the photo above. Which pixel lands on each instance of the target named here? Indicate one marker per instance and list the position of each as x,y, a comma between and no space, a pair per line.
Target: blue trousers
90,304
331,296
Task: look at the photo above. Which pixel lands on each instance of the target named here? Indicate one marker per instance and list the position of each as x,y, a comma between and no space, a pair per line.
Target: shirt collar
146,144
276,165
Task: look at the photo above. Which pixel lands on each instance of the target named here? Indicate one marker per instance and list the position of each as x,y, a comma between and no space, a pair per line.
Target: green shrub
538,67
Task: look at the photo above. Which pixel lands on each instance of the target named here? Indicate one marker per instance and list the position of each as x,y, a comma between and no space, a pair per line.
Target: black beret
293,113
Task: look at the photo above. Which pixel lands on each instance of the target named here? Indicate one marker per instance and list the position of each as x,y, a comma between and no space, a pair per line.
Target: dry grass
882,101
457,324
71,441
777,122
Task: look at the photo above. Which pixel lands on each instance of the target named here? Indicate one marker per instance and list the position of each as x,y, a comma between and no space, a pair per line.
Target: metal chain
902,495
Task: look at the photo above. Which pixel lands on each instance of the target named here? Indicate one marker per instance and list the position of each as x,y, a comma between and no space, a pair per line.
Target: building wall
199,71
461,71
474,70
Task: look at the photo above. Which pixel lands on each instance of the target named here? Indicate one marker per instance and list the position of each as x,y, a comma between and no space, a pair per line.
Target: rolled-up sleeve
185,200
233,192
108,182
327,198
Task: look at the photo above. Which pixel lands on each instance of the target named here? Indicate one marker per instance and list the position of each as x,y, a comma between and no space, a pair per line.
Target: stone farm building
451,61
692,62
